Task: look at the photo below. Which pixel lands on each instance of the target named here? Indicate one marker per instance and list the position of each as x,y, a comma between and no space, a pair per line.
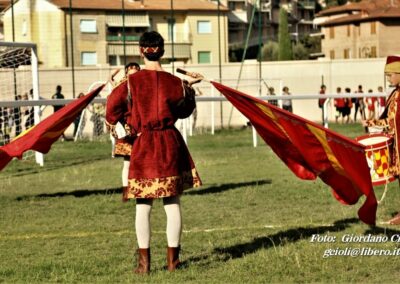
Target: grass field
251,222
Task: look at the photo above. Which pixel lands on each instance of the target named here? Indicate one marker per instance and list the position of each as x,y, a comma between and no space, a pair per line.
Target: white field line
6,237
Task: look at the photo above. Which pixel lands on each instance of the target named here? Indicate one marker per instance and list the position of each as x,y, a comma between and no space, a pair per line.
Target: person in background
58,96
321,102
123,144
339,105
359,104
17,117
371,105
287,103
348,104
271,92
78,118
29,111
389,121
160,166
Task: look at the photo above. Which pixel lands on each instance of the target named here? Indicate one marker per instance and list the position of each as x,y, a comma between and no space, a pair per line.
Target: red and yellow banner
311,151
41,136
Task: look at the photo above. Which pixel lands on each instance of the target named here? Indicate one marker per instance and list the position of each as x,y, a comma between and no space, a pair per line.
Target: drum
378,150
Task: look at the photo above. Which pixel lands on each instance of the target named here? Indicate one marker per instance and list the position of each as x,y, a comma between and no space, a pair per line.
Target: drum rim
383,180
378,145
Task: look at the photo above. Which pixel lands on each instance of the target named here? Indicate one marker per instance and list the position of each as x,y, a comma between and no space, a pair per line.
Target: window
373,52
88,26
332,54
348,30
346,53
204,57
331,32
373,28
88,58
203,27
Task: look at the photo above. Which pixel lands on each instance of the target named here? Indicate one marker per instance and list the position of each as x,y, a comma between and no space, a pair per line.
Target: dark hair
58,88
131,64
323,86
348,90
152,39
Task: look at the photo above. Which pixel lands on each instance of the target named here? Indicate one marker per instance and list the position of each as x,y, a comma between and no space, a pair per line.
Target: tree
285,46
270,51
300,52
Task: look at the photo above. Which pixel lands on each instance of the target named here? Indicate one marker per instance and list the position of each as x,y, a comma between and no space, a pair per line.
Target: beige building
98,26
367,29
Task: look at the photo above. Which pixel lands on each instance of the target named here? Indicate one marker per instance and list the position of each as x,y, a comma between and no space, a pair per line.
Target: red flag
41,136
309,150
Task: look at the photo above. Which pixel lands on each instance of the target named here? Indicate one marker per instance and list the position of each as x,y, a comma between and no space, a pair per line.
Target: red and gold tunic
160,165
119,96
390,123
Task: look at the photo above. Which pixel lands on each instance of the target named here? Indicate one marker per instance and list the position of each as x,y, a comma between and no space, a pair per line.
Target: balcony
121,38
307,4
238,17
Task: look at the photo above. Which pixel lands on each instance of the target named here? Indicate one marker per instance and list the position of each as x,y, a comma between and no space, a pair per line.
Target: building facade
105,32
266,19
367,29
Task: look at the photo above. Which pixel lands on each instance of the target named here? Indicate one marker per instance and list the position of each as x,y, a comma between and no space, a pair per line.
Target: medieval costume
161,165
389,121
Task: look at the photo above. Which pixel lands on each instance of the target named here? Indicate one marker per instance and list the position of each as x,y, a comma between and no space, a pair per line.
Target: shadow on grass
76,193
33,168
280,239
226,186
383,231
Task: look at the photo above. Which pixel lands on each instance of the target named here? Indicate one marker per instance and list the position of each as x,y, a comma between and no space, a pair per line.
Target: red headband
149,50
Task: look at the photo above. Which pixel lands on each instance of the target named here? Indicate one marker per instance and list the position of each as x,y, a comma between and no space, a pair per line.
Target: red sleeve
117,104
187,104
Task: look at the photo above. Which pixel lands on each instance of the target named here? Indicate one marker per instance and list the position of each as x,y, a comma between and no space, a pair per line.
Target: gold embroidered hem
123,149
162,187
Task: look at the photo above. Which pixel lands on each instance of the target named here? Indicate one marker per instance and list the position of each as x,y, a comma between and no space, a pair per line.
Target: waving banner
311,151
41,136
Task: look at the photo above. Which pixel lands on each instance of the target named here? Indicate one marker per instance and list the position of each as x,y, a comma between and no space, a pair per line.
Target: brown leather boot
143,261
395,220
125,194
173,258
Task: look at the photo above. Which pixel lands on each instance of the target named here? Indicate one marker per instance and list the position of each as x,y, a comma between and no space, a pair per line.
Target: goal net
18,85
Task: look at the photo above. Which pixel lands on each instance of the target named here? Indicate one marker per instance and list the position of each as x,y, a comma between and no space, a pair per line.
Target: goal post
19,80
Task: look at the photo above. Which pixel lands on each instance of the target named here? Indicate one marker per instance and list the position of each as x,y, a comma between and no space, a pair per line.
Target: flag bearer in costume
390,118
160,165
123,145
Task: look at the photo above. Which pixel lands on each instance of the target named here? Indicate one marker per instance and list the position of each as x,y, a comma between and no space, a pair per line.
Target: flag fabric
311,151
41,136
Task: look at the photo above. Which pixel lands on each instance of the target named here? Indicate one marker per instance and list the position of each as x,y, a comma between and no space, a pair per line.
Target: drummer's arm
383,123
186,105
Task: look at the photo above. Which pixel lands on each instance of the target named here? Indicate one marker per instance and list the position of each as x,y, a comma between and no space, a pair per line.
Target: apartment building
301,14
3,5
102,34
366,29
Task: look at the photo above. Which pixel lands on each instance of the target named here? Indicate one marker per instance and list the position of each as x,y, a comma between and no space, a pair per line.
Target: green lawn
251,222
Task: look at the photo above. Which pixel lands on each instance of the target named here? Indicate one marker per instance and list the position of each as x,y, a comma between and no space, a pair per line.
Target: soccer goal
19,83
